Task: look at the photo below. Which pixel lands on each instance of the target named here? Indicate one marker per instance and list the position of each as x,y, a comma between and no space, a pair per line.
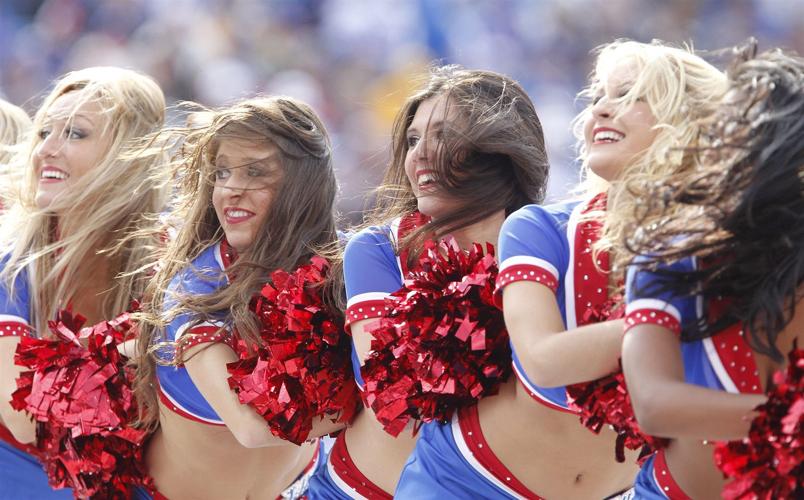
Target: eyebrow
247,160
435,124
68,117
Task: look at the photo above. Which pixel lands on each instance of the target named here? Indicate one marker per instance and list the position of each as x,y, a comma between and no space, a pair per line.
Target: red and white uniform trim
664,479
654,312
347,477
13,326
366,306
526,268
476,451
177,408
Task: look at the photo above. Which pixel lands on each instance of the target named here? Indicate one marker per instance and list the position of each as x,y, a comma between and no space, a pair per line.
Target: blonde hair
57,251
679,87
14,124
301,221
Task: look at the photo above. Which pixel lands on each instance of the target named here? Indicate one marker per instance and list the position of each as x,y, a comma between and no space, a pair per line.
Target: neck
484,231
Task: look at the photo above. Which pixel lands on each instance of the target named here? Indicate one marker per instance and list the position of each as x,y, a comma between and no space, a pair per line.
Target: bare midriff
188,459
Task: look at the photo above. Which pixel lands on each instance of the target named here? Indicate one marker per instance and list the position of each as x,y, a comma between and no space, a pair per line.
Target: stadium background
353,60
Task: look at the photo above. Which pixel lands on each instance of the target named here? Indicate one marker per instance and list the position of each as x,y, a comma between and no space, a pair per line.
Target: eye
43,133
222,173
255,171
412,141
596,98
74,133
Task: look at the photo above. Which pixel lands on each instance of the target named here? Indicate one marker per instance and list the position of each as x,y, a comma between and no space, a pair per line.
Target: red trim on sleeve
368,309
14,329
205,334
652,317
526,272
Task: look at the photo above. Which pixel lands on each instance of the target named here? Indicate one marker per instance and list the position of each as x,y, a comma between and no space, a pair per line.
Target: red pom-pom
443,344
302,369
769,463
79,392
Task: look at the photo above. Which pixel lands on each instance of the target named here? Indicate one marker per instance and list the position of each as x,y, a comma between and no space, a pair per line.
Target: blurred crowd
355,61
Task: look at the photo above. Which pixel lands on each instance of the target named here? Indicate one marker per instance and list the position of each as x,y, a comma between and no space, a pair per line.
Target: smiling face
615,135
424,140
72,142
246,175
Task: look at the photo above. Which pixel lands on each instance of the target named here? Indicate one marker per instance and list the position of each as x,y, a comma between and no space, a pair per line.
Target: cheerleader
467,150
77,198
256,194
526,443
714,299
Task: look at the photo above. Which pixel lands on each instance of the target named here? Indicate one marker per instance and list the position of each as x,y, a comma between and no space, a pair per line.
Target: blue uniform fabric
371,270
437,470
439,467
15,304
21,475
202,277
704,364
540,232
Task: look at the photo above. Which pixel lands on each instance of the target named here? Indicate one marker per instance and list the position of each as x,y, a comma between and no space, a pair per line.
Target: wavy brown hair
741,211
491,158
300,222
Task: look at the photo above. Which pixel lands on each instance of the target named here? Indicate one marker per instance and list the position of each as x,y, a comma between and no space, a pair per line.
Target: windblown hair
678,86
741,212
14,125
60,246
300,222
491,157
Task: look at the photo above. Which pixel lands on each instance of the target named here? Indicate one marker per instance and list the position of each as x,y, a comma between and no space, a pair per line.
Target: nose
50,145
602,108
236,183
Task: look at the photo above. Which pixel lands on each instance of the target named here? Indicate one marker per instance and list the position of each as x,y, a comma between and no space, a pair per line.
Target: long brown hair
496,145
300,223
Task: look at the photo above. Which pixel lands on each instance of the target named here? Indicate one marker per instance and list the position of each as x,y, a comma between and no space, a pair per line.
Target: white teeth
53,174
426,178
608,136
238,213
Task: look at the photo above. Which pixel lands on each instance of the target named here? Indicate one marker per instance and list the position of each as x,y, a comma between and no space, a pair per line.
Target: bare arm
18,422
361,337
206,365
550,355
665,405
